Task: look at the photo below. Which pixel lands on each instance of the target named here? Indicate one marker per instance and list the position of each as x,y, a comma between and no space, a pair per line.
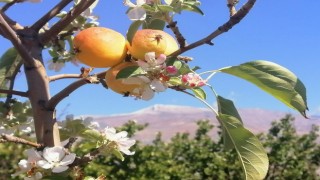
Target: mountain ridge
171,119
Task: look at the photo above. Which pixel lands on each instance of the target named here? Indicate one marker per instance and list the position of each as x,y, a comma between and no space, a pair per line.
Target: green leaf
118,154
199,93
91,134
130,71
191,7
148,8
157,24
226,106
253,158
72,128
184,69
166,8
10,62
275,80
133,29
175,81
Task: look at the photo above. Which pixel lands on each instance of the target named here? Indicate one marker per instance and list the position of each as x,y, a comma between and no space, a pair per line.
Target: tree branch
173,26
13,92
54,101
8,5
235,19
52,13
65,21
86,158
17,140
12,81
64,76
15,40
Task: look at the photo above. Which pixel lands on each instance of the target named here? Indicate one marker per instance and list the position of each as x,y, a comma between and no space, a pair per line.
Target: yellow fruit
100,47
150,40
117,85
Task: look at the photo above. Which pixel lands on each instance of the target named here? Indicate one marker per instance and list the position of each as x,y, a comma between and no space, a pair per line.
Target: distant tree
292,156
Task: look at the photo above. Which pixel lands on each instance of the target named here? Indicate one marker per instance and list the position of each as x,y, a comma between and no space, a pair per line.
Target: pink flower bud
172,70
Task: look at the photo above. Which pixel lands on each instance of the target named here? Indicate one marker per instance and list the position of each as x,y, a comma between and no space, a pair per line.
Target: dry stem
235,19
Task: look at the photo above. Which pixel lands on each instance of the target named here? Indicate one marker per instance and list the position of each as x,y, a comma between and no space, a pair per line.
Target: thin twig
231,5
13,92
65,21
12,81
64,76
15,40
86,158
52,13
235,19
17,140
8,5
54,101
13,24
175,29
71,141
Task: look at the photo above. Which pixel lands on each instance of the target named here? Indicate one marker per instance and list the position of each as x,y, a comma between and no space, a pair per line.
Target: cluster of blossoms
156,76
54,158
120,140
57,159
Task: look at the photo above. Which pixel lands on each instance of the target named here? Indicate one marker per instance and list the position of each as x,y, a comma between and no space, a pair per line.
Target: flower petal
157,86
59,169
144,65
126,151
150,56
137,13
128,3
141,2
33,155
54,154
161,59
24,165
121,134
68,159
147,94
44,164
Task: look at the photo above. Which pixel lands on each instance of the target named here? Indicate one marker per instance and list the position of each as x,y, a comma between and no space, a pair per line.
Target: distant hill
170,119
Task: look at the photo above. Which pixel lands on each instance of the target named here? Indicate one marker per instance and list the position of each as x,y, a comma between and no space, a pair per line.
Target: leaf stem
203,101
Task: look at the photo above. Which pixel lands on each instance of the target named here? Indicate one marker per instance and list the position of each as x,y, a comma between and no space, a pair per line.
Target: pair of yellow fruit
102,47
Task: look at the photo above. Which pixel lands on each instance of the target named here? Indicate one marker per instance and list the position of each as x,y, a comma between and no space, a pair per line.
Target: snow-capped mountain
170,119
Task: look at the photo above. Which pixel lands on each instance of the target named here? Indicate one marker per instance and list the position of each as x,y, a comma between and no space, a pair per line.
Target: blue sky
285,32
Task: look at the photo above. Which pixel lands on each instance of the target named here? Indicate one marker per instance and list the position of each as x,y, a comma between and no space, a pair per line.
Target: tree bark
38,89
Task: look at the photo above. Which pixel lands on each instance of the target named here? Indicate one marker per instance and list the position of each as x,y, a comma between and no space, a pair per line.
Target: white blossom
137,12
30,163
151,63
122,141
56,66
55,158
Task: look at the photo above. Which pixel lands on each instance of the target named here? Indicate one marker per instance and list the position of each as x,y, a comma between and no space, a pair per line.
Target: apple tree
156,62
